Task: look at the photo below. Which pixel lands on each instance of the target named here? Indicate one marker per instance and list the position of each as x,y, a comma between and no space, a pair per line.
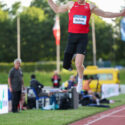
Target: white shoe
79,87
97,102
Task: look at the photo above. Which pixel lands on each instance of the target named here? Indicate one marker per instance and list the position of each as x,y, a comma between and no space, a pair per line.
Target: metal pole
18,38
58,57
94,41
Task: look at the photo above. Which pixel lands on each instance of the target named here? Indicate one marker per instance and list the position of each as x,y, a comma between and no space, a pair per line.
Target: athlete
79,15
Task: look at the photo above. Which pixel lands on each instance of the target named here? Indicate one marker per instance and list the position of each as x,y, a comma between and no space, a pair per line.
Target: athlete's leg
67,61
79,64
69,51
80,68
81,52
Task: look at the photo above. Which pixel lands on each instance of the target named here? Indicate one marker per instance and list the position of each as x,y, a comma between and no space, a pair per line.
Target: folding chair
40,101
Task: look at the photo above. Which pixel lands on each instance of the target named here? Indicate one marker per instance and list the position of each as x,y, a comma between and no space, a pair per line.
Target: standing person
78,28
15,81
56,80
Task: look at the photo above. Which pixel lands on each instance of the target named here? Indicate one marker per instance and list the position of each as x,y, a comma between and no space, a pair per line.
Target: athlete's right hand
10,89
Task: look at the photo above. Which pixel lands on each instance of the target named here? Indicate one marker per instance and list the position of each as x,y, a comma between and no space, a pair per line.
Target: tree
103,39
15,8
43,4
3,7
118,45
32,33
7,42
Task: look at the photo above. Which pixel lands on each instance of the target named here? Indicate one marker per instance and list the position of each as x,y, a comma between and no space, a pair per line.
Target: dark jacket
36,85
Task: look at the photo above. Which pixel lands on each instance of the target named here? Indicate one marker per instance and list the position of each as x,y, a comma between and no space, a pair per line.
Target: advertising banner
3,99
109,90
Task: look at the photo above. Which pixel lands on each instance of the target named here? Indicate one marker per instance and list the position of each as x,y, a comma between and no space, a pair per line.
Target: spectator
37,86
87,89
56,80
15,81
71,82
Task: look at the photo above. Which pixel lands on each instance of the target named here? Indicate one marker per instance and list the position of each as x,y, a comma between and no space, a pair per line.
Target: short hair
33,76
17,60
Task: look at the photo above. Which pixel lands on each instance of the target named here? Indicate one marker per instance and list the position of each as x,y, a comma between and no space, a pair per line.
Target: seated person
87,89
37,86
56,80
71,82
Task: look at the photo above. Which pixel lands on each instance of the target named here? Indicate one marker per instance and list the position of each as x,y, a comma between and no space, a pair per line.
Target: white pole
18,38
58,57
94,41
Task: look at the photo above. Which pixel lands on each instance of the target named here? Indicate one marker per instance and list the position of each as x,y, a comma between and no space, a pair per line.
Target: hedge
30,67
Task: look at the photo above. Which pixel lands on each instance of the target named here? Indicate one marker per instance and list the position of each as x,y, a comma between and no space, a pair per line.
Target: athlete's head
81,1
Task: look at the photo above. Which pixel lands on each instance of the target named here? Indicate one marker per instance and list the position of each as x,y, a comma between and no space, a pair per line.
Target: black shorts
77,43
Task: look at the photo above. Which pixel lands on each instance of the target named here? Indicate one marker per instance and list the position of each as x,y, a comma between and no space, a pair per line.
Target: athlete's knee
79,65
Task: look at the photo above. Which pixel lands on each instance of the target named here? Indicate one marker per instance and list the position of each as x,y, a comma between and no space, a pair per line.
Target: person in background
56,80
71,82
22,101
87,89
15,81
37,86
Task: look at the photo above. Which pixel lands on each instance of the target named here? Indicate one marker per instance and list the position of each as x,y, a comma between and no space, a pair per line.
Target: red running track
115,116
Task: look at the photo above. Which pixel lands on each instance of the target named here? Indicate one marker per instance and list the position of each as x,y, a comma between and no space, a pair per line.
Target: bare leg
80,68
94,97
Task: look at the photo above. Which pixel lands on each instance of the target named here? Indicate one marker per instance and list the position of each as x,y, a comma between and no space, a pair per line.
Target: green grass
45,77
54,117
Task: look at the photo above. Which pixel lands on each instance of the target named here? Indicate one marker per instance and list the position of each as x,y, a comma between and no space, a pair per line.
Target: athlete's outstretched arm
59,9
102,13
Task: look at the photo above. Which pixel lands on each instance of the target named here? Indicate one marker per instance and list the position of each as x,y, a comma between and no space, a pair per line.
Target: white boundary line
104,116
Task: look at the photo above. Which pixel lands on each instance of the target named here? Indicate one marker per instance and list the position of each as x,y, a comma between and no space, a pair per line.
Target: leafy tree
104,38
3,6
43,4
32,33
7,43
15,8
118,44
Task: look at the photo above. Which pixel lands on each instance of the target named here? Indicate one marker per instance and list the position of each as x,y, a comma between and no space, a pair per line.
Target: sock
97,101
80,81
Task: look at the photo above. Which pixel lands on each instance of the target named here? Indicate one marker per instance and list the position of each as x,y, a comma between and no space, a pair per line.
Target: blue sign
79,19
123,29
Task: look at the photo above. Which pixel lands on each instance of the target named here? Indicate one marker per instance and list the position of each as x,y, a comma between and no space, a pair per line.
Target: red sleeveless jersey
79,17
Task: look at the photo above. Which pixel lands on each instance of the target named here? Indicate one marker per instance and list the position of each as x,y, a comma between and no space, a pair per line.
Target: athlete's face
81,1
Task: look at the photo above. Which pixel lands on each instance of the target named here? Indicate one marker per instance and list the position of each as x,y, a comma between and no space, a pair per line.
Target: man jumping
79,15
